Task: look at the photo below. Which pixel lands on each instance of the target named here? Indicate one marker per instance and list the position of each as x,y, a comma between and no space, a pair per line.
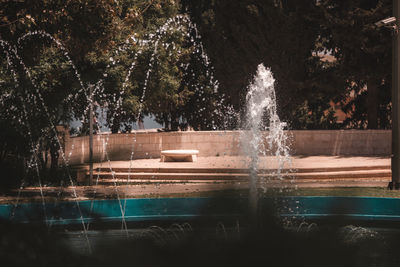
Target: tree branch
11,22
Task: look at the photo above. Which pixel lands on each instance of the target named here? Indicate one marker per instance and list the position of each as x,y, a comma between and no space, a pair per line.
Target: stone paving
375,173
297,162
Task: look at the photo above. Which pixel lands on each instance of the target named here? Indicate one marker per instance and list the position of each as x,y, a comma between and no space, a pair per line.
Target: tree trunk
166,121
174,122
116,125
54,155
140,124
373,102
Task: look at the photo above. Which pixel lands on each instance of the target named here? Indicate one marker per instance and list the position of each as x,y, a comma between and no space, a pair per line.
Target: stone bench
179,155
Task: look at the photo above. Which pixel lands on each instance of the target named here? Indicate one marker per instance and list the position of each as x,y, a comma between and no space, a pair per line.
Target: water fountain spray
261,107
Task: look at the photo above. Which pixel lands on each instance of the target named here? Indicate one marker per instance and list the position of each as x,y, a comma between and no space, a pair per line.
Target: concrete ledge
146,145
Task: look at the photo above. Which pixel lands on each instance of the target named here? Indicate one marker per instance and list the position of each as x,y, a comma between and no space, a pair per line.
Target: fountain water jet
261,106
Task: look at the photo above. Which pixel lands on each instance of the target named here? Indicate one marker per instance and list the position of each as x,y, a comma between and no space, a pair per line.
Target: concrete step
238,170
300,182
147,176
170,176
366,174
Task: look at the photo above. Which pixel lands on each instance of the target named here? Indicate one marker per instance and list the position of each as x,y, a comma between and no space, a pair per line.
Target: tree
239,35
45,89
64,48
363,55
172,78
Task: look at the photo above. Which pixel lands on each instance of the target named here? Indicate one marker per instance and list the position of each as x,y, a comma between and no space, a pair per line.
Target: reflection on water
307,243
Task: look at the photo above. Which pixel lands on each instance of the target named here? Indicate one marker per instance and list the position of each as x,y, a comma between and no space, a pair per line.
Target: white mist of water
265,133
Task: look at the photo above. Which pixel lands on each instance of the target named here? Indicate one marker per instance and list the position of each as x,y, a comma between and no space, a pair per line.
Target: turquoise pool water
170,209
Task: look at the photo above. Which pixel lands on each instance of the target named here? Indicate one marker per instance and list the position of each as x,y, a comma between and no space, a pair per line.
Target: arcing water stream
261,103
180,23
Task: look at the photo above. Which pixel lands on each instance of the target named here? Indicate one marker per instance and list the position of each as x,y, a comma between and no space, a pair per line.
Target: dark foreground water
292,231
225,244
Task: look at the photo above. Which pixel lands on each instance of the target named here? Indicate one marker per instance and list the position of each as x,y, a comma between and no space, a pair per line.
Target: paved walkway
295,162
150,177
313,171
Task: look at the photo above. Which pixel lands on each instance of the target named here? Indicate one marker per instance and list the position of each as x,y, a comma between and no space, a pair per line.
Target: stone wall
342,142
219,143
